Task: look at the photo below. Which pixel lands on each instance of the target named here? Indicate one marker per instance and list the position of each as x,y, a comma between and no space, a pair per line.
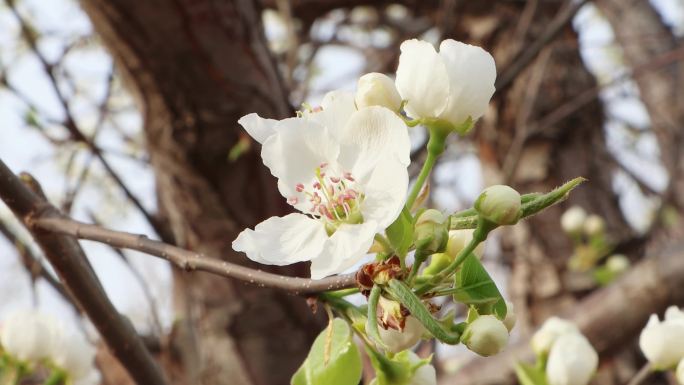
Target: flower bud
396,340
438,262
376,89
572,361
510,319
554,327
486,335
594,225
25,334
617,263
431,232
680,372
459,239
661,341
572,220
499,204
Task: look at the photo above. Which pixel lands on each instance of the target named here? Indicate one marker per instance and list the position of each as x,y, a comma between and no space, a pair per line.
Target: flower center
333,197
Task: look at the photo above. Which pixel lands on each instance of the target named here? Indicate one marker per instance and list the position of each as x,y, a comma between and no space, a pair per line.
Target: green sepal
344,362
530,375
396,371
400,233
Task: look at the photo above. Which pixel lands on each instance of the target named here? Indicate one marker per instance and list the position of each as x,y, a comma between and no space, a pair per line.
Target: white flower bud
572,220
459,239
424,375
554,327
376,89
499,204
594,225
680,372
617,263
396,340
661,342
511,318
26,333
73,353
486,336
572,361
431,232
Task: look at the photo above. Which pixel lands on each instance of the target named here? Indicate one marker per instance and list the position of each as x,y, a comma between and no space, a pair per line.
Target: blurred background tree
127,112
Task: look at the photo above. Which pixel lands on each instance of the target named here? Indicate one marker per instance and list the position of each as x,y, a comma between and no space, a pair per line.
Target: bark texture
196,67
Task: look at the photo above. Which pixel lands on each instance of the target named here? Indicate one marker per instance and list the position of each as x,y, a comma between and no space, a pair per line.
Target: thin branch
71,264
524,58
190,260
641,375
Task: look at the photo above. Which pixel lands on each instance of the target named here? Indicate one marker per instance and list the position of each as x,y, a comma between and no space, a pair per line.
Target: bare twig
524,58
70,263
641,375
189,260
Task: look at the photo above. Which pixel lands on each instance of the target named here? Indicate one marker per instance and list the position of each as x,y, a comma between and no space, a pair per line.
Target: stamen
334,179
292,200
323,165
348,176
299,187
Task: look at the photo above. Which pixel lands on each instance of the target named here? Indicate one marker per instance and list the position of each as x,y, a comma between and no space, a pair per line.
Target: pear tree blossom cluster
343,167
35,344
564,356
593,249
662,342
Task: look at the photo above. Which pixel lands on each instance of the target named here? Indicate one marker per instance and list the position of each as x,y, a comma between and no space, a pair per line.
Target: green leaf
530,375
475,287
400,233
343,366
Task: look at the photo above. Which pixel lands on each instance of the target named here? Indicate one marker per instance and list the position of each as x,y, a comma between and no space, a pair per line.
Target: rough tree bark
196,67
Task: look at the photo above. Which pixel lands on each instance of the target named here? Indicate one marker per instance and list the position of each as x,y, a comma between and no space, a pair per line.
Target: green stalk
372,320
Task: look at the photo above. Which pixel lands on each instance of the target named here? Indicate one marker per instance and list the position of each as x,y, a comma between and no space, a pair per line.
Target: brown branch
525,57
70,263
609,317
190,260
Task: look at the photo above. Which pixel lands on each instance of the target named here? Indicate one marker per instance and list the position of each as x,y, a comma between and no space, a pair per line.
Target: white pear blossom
26,335
594,225
376,89
72,352
572,220
661,342
344,169
459,239
551,330
680,372
395,341
572,361
486,335
453,84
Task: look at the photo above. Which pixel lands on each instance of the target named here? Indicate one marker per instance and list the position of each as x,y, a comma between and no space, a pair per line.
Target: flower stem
372,322
424,173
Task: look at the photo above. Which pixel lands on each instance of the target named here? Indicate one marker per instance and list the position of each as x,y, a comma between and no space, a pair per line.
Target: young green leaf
342,364
475,287
400,233
530,375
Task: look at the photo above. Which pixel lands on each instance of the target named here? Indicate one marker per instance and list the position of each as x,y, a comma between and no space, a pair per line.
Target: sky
25,149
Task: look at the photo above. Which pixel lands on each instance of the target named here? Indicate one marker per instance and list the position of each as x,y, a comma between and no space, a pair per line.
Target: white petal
661,344
73,353
283,240
422,79
295,151
26,333
337,107
371,135
572,361
257,127
471,77
344,248
385,192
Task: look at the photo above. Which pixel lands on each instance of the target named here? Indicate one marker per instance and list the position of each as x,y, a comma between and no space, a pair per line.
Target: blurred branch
70,262
29,35
526,56
609,317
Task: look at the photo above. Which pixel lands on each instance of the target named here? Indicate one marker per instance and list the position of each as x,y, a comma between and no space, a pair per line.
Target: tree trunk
196,67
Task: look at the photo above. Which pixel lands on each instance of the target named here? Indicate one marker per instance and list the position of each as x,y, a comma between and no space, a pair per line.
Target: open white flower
344,169
661,342
25,334
572,361
453,84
